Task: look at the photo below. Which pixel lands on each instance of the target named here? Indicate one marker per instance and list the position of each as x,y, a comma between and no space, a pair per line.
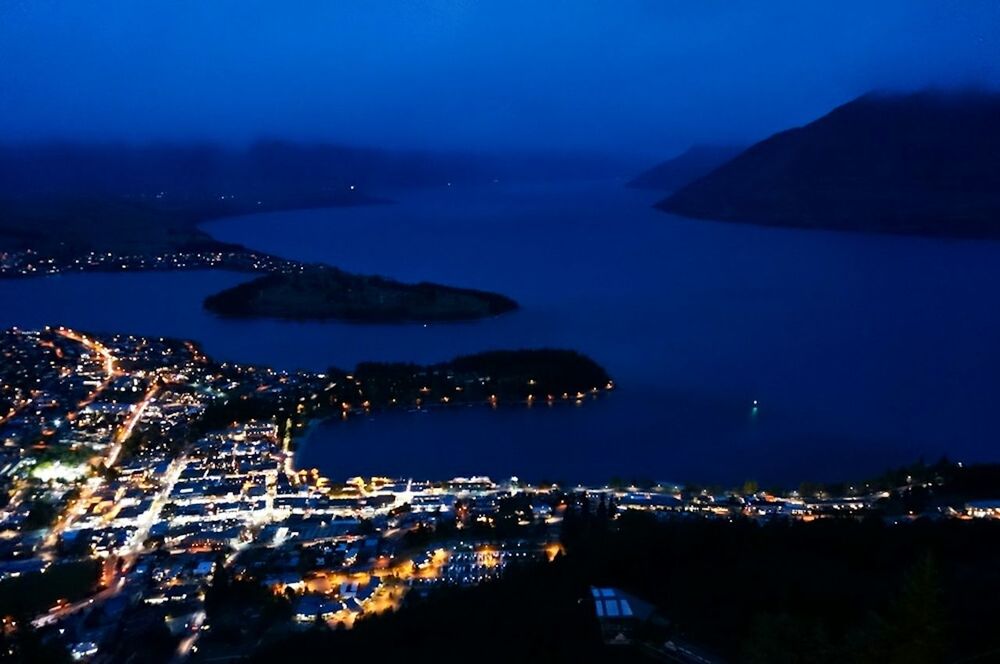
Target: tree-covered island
318,293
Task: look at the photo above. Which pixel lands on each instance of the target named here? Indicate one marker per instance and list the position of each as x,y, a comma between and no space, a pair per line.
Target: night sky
628,76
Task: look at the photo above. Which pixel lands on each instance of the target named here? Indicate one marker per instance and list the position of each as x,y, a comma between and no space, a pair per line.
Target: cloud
633,75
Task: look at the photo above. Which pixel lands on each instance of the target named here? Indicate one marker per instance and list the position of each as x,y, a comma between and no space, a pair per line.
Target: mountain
198,171
264,169
59,197
696,161
923,163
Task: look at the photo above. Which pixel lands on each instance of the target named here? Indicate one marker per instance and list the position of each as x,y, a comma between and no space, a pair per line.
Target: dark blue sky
632,76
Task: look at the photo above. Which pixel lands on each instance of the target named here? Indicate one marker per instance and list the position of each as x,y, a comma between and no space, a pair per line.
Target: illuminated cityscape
120,489
443,331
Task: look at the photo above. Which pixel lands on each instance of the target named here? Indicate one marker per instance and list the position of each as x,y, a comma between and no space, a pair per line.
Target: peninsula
117,208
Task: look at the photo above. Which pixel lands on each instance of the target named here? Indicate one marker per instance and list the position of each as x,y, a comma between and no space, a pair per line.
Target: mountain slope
696,161
924,163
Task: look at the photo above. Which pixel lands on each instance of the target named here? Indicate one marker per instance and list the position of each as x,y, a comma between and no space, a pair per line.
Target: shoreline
309,430
299,441
278,288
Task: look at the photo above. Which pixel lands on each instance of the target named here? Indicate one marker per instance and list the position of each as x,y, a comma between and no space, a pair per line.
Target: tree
602,509
915,625
42,514
26,646
783,638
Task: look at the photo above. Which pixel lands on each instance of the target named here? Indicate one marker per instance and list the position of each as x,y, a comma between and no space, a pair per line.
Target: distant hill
923,163
59,197
266,169
204,171
696,161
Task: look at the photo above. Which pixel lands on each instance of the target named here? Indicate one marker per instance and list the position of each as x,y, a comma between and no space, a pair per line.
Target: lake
862,351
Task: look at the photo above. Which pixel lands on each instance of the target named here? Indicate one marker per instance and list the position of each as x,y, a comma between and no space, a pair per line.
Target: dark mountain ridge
696,161
205,170
125,197
921,163
266,168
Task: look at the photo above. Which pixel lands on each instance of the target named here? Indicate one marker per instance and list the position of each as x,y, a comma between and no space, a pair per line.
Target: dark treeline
920,485
27,595
912,487
827,591
532,615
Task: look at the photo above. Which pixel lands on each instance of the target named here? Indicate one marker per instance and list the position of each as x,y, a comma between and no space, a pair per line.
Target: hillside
64,198
193,171
693,163
924,163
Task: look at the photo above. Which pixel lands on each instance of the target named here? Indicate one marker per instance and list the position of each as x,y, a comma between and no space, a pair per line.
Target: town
32,263
152,493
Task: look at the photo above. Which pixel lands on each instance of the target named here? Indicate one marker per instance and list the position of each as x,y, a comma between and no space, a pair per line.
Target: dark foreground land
827,591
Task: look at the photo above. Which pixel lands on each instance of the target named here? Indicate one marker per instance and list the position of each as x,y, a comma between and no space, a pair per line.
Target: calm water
863,351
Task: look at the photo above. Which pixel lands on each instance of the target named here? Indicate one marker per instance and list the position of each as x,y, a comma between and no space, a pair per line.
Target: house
983,509
309,607
619,614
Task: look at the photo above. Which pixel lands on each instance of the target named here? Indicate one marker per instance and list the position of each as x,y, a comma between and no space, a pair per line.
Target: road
111,372
52,616
187,644
126,430
110,361
170,478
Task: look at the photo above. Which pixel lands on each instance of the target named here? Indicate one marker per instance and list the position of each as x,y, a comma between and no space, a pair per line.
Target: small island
319,293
